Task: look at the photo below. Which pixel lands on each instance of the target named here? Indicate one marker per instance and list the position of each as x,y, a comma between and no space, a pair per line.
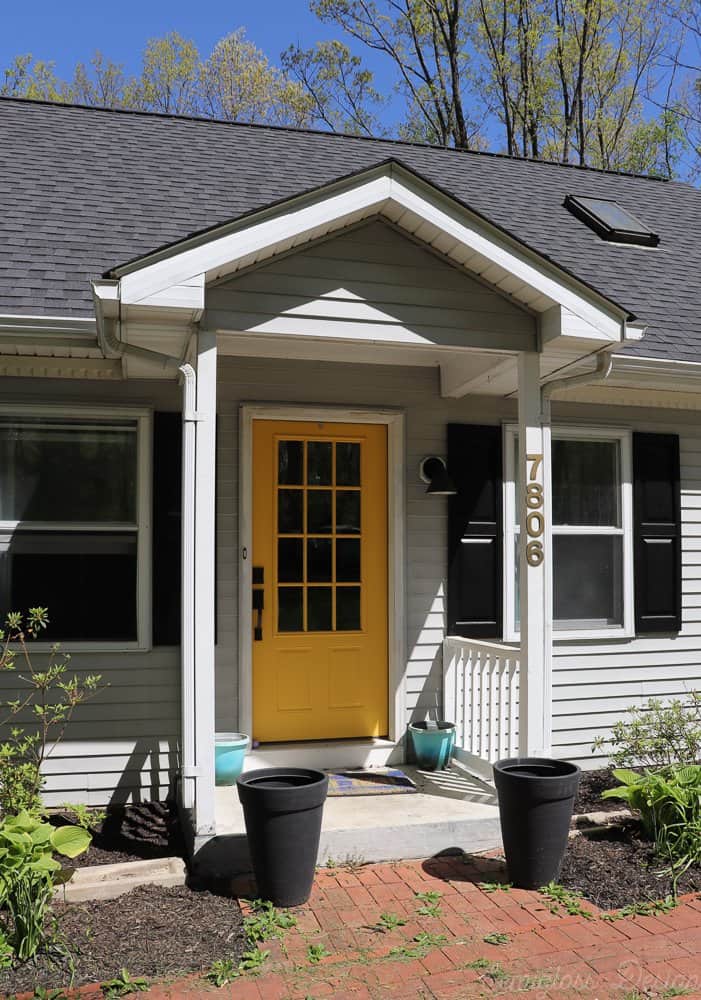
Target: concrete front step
451,809
324,754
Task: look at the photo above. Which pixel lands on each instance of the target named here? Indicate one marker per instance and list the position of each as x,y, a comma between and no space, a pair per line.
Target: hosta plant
28,873
669,804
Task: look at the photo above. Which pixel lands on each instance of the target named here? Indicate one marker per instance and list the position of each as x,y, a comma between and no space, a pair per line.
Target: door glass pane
319,463
348,559
347,609
319,609
585,483
289,512
347,464
86,580
289,560
66,472
319,512
587,580
289,603
348,512
319,560
290,462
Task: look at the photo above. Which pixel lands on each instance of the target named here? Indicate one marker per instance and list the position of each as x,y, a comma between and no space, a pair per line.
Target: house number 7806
535,522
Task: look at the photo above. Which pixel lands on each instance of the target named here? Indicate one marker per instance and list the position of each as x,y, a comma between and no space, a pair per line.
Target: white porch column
205,484
535,562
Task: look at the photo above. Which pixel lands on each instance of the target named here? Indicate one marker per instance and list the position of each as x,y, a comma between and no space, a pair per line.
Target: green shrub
48,697
669,804
658,734
28,872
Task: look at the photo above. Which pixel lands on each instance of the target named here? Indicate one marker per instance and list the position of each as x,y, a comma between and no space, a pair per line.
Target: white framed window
592,533
75,523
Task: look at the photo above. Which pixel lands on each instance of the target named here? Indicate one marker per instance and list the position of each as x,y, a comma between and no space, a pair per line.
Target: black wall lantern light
433,471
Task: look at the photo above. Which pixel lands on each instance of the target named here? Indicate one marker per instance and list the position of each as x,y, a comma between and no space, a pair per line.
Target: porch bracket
535,563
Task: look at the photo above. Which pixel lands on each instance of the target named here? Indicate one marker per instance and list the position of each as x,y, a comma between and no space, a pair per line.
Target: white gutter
604,366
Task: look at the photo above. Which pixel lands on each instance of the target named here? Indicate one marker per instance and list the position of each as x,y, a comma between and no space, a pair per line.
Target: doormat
376,781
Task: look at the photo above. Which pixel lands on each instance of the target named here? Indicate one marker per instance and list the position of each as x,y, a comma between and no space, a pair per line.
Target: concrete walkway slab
451,809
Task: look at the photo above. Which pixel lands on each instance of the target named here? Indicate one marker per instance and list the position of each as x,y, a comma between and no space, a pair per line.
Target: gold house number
535,522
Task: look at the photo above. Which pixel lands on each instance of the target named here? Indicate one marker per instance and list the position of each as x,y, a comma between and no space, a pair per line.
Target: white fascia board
367,197
185,297
659,373
392,190
60,331
560,323
492,244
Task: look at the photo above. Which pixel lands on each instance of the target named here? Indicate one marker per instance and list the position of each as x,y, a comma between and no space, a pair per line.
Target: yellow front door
320,665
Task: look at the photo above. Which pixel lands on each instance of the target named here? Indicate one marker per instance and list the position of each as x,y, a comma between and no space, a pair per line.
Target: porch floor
451,809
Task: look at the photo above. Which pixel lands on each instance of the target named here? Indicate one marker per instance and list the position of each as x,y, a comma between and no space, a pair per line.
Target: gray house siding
123,745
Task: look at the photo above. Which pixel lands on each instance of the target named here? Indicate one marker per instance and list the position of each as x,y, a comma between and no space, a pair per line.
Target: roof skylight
611,221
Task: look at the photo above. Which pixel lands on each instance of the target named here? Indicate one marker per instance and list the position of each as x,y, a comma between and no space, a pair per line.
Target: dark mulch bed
131,833
615,866
591,785
152,931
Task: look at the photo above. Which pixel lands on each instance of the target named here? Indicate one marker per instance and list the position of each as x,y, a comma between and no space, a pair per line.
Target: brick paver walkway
478,943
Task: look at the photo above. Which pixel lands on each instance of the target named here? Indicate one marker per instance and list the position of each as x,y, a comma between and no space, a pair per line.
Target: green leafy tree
169,76
340,89
428,44
238,83
33,78
100,83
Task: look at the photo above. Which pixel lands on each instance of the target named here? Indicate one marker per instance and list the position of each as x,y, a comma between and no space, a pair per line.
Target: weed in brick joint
560,898
494,886
489,970
266,922
263,923
420,946
389,922
496,938
351,863
647,908
430,907
315,953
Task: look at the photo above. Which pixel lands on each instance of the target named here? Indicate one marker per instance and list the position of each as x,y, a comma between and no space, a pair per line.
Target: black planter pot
282,808
536,798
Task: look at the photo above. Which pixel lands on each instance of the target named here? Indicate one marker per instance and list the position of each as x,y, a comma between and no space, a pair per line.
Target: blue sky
70,31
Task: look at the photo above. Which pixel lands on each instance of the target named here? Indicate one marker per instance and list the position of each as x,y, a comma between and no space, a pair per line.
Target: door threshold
324,754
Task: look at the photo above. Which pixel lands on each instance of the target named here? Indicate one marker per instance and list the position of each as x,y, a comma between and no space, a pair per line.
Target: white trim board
414,205
396,536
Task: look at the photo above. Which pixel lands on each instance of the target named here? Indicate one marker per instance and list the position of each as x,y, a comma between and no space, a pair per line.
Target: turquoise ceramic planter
229,752
433,744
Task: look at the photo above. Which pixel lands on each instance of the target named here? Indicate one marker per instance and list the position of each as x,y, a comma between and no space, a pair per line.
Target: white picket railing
480,695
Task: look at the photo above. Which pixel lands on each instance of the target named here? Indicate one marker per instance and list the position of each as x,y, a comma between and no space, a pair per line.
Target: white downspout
189,770
112,346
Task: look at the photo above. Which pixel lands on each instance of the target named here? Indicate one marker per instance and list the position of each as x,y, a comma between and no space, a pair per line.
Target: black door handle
258,602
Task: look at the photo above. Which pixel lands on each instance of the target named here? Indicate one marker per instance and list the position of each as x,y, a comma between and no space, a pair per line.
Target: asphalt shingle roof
84,190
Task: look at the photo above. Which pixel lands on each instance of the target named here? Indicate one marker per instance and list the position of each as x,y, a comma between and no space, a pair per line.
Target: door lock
258,602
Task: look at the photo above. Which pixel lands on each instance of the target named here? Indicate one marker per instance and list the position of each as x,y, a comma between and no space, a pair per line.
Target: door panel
320,666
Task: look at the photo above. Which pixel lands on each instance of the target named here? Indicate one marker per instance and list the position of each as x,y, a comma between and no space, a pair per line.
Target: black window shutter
475,532
657,526
167,517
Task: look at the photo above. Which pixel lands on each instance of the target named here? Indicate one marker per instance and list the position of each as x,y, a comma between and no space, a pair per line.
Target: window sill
581,635
76,647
